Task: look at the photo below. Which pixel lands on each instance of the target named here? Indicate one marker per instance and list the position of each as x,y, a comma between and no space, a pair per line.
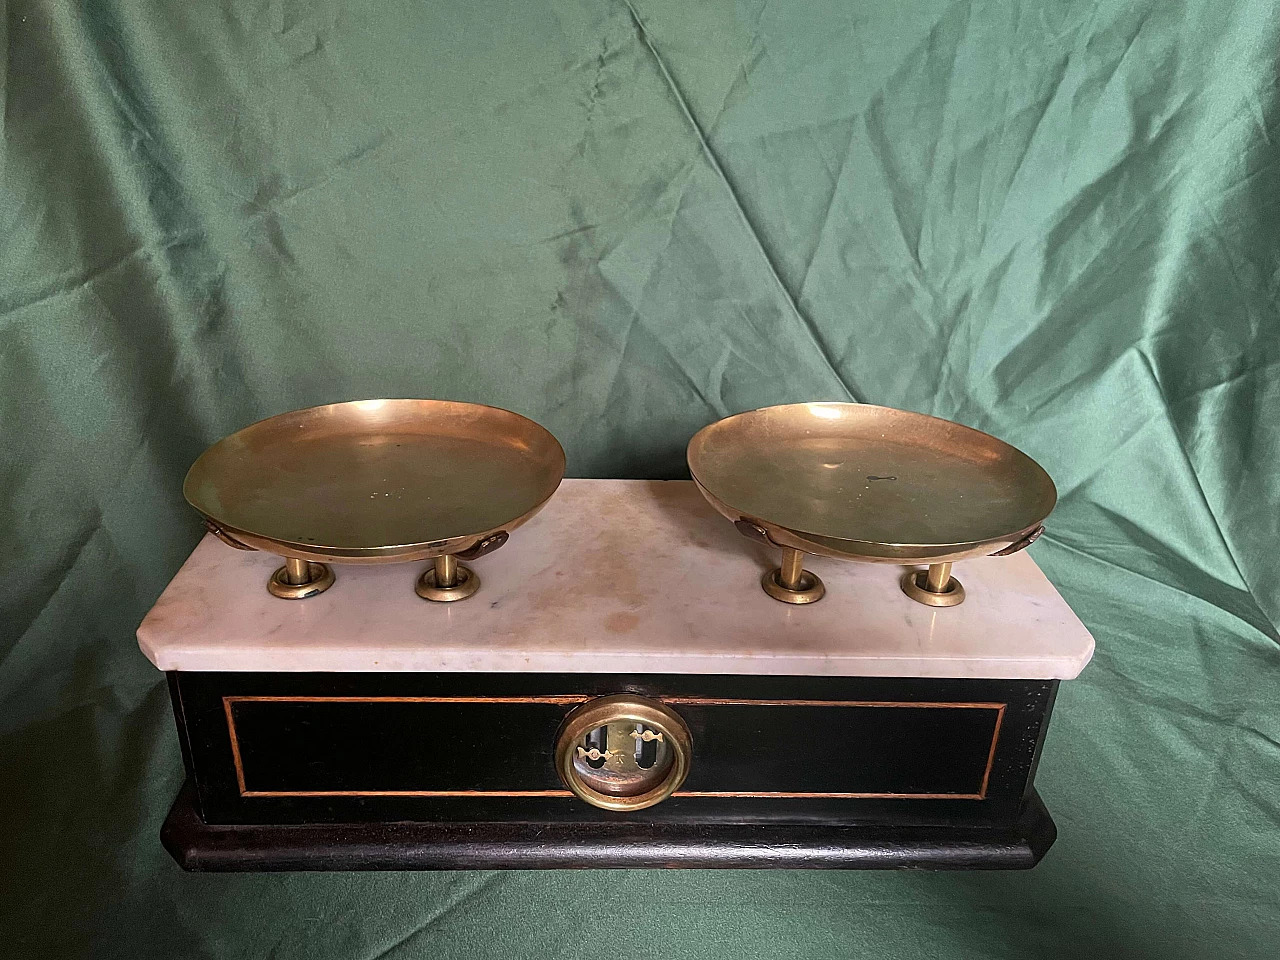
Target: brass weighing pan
860,482
377,481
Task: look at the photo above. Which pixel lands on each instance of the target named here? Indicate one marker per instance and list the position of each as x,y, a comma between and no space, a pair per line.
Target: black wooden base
513,845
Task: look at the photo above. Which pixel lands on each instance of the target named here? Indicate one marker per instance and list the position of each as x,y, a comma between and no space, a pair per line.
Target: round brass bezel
624,707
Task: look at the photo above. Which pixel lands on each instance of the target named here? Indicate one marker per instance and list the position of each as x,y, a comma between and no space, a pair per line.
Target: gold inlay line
572,699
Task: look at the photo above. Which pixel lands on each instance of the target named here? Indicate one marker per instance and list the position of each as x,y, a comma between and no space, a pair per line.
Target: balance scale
612,688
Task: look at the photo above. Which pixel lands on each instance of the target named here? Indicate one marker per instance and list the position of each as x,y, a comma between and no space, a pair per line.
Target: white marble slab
617,576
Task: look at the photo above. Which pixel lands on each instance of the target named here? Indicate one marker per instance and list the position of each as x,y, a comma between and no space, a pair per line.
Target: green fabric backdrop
1057,222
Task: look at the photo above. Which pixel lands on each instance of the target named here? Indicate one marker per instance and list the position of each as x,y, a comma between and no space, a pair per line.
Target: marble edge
252,660
406,659
147,651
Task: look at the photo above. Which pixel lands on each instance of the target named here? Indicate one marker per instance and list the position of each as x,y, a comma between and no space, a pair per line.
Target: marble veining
617,576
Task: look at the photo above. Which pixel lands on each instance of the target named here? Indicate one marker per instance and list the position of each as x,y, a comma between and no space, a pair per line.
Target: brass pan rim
877,551
399,413
867,551
390,553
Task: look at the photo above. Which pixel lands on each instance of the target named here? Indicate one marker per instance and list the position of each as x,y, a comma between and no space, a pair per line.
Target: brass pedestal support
447,579
791,583
935,587
299,579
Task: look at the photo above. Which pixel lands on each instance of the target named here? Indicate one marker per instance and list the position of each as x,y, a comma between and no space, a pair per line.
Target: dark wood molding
196,845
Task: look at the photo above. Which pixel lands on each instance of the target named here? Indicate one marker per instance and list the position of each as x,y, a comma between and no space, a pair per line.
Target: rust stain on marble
621,622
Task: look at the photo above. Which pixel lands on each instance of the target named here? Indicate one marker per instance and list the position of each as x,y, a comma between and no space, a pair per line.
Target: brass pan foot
446,580
935,587
791,583
299,579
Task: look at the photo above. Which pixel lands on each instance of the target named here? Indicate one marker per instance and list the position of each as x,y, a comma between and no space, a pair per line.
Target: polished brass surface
861,482
791,569
601,747
916,585
939,575
447,580
374,481
446,570
315,578
296,571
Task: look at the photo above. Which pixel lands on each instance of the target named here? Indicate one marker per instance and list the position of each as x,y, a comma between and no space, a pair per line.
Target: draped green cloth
1058,222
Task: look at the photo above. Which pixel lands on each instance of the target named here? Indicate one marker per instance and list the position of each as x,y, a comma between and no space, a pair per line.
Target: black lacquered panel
395,745
400,744
288,748
840,747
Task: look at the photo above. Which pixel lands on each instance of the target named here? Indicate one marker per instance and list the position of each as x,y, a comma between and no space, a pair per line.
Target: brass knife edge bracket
296,580
936,587
447,580
788,582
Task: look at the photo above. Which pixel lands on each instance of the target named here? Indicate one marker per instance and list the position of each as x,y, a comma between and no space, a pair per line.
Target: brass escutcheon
447,580
935,587
652,722
299,579
790,582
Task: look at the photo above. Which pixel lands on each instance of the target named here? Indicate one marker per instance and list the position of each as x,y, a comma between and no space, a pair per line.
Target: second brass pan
373,481
862,482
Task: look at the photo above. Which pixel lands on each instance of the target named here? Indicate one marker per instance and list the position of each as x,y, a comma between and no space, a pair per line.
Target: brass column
938,577
791,570
791,582
296,571
935,587
446,580
446,570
